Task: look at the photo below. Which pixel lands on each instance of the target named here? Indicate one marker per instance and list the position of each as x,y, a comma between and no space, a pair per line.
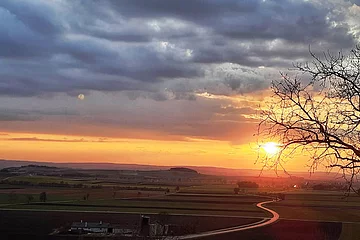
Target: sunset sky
164,82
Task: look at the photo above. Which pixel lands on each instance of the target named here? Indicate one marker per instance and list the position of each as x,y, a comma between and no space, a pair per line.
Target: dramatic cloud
143,64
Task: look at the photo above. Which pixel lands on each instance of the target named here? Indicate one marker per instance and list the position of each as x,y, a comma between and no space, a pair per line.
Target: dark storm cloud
121,37
148,45
297,21
37,17
193,10
27,29
246,86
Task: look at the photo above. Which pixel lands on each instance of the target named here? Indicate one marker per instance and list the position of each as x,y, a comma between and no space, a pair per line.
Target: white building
93,227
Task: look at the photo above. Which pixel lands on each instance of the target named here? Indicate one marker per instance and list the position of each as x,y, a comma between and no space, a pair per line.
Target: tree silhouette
247,184
163,218
29,198
43,197
319,114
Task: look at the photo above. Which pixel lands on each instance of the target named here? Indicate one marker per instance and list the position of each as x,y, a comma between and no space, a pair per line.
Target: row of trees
247,184
242,185
13,197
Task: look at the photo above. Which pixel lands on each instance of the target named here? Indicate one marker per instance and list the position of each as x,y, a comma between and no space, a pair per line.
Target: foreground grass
350,231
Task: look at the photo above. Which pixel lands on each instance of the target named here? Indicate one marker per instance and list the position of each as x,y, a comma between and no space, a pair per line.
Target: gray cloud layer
142,63
144,45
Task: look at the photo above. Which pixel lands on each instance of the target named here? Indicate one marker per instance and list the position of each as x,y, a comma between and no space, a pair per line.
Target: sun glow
271,148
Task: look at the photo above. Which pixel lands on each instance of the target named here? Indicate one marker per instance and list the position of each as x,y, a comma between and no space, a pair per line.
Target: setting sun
271,148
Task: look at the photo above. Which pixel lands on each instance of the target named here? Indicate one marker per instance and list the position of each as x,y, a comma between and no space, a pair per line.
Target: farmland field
61,194
317,205
216,199
171,203
328,214
40,223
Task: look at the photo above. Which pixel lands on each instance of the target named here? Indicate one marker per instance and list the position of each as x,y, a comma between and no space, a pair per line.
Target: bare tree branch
319,114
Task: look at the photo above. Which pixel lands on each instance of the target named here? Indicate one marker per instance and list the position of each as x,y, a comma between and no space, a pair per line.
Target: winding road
263,222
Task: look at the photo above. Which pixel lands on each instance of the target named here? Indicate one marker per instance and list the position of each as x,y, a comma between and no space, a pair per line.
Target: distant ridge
183,169
200,169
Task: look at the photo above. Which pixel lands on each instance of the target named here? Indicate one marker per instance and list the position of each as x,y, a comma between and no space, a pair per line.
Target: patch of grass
210,189
350,231
40,179
12,198
75,194
317,213
178,205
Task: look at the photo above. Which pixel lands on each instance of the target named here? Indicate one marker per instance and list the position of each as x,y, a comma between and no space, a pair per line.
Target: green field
172,204
220,201
217,199
210,189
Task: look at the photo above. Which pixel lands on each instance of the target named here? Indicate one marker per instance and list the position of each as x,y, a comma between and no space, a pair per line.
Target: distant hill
183,169
199,169
44,170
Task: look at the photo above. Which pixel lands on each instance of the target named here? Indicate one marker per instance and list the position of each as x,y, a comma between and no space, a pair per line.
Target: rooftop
90,225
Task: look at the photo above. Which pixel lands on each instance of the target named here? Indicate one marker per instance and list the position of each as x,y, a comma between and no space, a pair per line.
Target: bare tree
42,197
29,198
319,114
163,218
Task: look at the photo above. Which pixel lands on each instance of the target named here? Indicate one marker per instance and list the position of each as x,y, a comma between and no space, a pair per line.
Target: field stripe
145,207
124,212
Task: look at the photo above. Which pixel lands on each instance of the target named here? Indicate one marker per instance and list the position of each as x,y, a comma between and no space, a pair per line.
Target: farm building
92,227
99,227
144,229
